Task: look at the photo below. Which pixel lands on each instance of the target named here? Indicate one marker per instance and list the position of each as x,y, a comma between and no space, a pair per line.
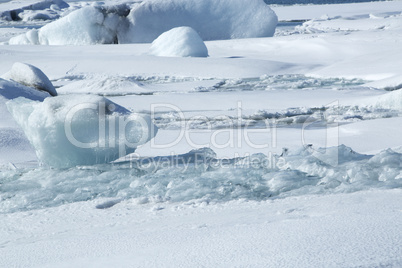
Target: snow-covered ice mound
30,76
179,42
88,25
213,20
80,129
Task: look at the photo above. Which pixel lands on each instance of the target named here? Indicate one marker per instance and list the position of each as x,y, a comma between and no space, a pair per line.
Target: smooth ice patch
80,129
179,42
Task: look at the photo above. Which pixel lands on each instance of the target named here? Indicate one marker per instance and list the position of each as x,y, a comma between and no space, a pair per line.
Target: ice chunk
80,130
84,26
31,76
179,42
213,20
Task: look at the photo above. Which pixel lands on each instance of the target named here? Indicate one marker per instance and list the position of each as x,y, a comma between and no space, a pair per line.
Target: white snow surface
179,42
341,230
213,20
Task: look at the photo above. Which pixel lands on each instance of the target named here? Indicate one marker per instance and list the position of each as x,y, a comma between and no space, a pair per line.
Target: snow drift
80,130
179,42
213,20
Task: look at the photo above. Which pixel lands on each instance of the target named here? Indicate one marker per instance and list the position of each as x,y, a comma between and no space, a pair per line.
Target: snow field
332,82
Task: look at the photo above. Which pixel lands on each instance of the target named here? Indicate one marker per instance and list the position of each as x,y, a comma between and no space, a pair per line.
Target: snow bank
213,20
179,42
30,76
80,130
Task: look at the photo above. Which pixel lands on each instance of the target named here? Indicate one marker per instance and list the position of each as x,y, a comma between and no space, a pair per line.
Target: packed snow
179,42
280,147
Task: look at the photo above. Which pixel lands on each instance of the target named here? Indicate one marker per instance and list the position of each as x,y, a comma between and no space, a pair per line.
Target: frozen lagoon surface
331,82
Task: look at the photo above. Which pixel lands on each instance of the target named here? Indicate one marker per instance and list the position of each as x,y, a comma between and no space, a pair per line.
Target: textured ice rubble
200,177
80,129
179,42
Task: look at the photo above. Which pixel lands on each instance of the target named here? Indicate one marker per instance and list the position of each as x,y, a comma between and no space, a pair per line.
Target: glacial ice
80,129
179,42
